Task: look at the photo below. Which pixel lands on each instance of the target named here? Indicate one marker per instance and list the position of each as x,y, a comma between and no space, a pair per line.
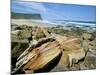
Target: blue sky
51,11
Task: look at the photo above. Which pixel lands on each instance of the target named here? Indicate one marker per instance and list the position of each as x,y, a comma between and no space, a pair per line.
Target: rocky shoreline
22,37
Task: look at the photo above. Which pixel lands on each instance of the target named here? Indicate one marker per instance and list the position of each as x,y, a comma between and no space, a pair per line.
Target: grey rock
18,48
59,68
83,67
90,61
74,67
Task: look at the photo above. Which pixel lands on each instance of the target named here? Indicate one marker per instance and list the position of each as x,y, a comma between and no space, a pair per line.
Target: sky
56,11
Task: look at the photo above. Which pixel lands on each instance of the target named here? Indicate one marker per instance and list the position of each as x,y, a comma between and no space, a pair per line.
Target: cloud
52,15
46,13
31,5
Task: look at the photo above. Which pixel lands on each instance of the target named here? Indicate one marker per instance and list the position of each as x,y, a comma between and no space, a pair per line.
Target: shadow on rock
50,65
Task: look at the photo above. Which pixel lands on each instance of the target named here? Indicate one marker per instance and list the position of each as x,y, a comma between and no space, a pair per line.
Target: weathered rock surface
89,45
38,57
59,68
